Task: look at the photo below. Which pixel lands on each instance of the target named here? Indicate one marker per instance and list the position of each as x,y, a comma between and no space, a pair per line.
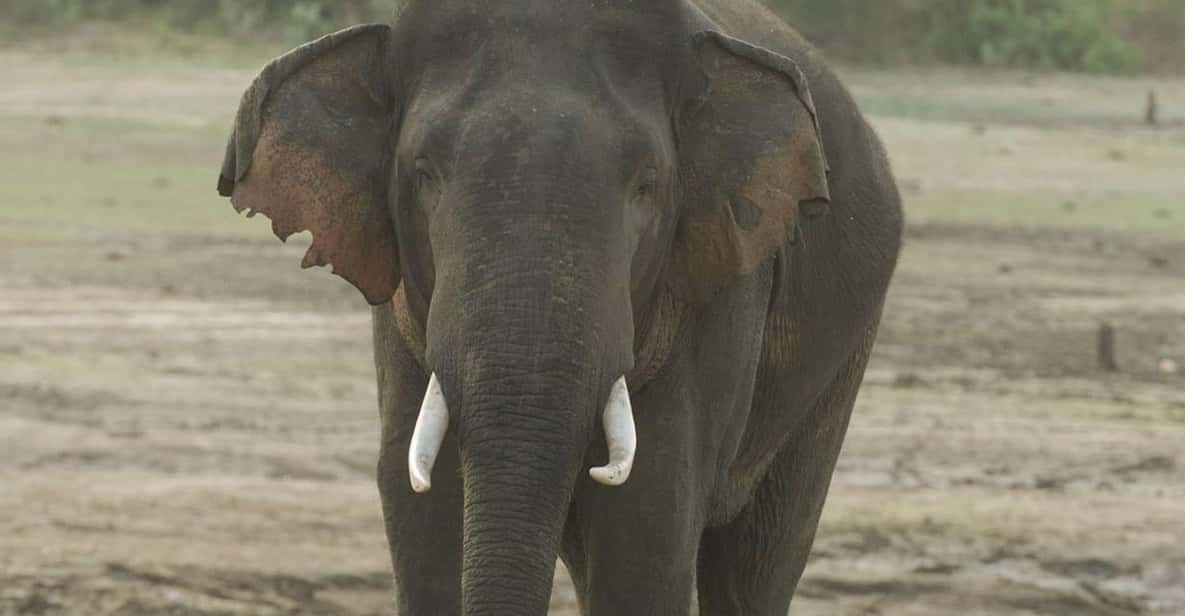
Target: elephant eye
425,181
423,174
427,185
647,183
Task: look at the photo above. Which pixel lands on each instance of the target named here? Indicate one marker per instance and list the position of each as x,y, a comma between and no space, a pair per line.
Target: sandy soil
188,425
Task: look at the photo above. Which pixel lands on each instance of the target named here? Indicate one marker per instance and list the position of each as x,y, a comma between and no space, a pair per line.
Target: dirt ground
188,422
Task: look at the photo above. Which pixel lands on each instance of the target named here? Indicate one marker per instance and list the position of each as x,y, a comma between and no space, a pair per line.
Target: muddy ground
188,423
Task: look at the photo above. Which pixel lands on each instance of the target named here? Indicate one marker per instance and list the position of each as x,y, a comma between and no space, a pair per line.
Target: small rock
1116,154
937,568
1168,366
1048,483
1069,206
1158,261
1004,268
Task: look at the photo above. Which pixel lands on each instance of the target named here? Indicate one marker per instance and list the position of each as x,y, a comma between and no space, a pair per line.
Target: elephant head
534,178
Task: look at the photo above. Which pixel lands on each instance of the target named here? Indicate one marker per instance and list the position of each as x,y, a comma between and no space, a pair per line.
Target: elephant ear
310,151
750,152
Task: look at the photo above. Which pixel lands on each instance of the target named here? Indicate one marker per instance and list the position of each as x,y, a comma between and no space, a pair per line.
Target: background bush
297,20
1078,35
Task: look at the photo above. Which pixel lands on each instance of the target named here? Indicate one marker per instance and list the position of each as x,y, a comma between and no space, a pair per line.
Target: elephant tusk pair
432,424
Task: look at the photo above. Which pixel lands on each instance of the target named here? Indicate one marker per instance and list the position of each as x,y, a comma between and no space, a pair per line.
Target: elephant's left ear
750,153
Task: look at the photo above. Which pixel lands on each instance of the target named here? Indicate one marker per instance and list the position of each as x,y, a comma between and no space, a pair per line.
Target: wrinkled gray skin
563,192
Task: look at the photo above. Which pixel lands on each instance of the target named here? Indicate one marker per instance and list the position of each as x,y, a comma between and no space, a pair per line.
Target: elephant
626,262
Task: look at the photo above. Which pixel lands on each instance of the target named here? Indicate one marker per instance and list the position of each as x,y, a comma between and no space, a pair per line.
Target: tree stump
1152,110
1106,348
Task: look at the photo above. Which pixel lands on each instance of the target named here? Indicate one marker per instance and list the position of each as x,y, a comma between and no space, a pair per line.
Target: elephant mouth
656,335
432,425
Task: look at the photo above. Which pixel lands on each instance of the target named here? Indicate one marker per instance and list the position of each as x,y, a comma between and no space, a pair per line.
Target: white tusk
431,427
620,435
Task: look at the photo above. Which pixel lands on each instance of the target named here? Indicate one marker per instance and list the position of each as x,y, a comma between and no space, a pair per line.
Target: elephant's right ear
311,151
751,153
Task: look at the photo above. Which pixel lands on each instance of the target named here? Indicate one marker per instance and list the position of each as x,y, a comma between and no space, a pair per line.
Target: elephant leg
753,564
572,553
636,563
423,530
632,548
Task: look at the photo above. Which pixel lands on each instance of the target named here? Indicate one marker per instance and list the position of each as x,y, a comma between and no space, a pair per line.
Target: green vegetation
292,20
1113,36
1067,34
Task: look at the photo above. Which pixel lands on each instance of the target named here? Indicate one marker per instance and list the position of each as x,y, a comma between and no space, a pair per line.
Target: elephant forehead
552,14
538,35
512,129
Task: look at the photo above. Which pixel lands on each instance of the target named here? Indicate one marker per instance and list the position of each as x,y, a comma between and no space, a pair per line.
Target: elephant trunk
521,455
527,414
526,372
529,327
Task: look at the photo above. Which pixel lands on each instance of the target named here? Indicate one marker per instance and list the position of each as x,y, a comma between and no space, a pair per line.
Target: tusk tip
419,485
608,475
